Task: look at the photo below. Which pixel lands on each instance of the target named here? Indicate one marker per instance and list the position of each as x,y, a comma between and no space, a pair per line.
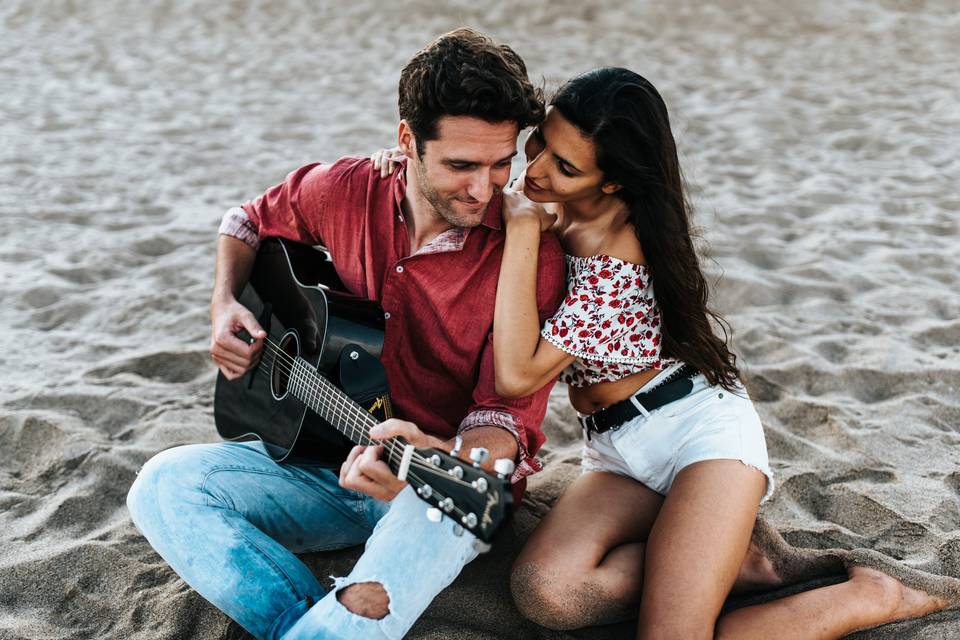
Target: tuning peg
446,504
434,514
479,455
504,467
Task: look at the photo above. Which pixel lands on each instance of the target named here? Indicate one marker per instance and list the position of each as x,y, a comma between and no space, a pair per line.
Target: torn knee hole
367,599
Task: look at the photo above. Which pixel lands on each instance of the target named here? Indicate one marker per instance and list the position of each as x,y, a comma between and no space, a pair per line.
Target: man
426,243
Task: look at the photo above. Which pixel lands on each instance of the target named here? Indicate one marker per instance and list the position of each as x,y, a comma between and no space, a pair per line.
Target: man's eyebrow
474,162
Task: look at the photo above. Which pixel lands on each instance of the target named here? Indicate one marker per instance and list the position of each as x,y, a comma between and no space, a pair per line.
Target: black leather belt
677,385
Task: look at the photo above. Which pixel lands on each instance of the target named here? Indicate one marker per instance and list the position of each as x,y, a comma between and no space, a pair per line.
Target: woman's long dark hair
625,117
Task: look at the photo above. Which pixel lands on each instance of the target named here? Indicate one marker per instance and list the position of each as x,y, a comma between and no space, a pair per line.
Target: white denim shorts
710,423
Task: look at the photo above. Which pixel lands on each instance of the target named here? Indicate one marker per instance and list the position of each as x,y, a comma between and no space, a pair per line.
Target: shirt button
386,315
399,269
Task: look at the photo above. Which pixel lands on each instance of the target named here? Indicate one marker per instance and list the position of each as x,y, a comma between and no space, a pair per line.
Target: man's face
460,171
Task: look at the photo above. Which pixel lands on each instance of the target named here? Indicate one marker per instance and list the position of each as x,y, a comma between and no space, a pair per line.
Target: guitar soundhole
280,374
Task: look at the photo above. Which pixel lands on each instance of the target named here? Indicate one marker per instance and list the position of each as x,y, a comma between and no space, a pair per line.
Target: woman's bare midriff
603,394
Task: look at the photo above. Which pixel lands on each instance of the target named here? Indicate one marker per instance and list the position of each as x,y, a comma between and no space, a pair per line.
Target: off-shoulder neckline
597,256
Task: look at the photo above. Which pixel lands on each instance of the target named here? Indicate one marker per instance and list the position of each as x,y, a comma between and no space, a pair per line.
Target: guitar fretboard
335,406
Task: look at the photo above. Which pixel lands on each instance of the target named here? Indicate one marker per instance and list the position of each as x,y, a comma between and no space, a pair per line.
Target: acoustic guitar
319,388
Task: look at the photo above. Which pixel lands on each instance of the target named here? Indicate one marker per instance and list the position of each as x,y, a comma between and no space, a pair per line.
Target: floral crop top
609,320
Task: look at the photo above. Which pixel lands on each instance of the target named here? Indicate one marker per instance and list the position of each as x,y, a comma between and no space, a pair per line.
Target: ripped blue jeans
228,520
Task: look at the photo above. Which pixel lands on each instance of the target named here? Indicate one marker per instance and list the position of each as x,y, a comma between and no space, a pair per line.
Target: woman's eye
564,170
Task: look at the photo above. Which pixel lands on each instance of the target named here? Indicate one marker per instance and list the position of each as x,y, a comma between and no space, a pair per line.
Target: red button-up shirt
438,303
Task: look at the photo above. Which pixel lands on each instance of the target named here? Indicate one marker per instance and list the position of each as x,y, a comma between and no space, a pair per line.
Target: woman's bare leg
696,548
583,565
695,552
869,598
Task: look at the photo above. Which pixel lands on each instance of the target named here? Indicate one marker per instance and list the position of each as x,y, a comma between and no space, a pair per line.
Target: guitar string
289,366
392,451
424,465
429,467
437,494
358,414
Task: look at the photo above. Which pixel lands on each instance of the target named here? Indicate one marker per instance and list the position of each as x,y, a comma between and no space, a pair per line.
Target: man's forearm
234,263
497,440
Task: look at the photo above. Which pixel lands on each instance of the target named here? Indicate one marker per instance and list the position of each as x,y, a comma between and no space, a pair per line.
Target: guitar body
297,297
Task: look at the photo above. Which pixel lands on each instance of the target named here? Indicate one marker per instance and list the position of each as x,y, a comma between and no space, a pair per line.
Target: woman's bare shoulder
625,245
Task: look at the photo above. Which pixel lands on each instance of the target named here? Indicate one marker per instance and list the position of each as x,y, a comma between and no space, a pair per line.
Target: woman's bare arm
523,360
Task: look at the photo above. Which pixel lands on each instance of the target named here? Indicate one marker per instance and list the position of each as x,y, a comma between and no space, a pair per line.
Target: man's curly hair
465,73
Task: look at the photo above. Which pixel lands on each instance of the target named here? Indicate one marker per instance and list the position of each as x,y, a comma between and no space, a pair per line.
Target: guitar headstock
471,497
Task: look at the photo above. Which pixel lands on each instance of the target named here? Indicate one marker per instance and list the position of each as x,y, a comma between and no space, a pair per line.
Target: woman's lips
532,185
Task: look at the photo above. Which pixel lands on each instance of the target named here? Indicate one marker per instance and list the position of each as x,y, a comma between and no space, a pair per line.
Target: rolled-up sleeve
522,417
236,223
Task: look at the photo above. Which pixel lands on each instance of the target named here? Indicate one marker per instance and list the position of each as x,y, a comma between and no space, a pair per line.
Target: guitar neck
333,405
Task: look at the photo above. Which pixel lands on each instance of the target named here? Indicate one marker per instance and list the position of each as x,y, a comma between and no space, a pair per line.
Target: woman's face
561,163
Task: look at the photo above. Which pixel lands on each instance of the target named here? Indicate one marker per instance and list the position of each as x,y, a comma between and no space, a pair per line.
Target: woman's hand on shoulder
386,160
518,210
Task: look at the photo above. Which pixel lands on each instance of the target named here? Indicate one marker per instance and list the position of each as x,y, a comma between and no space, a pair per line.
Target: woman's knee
544,597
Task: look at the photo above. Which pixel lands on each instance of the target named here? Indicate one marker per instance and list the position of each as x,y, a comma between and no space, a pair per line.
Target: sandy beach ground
820,142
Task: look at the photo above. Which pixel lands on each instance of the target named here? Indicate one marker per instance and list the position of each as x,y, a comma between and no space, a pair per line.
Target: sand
820,143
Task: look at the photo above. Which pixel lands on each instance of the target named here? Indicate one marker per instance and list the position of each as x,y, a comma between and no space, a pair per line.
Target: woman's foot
894,600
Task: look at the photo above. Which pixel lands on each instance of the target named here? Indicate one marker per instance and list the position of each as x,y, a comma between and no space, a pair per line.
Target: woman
674,460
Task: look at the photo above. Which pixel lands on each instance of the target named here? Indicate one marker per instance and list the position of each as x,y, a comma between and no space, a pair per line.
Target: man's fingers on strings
235,360
348,463
392,428
252,326
230,372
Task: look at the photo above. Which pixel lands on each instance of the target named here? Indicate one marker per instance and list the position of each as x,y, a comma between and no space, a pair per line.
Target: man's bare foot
895,600
756,572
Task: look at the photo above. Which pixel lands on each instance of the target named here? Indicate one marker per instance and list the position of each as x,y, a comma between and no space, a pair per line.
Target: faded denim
228,520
